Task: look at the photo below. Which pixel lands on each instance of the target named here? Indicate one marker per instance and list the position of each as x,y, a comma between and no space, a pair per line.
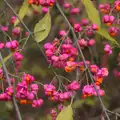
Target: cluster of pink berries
56,95
85,27
26,91
18,57
89,90
98,73
67,6
15,31
89,29
13,47
109,19
44,3
61,55
86,43
7,95
108,49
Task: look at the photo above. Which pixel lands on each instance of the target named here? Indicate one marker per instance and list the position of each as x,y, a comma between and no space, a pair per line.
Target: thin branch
114,113
75,39
30,33
9,83
25,26
81,53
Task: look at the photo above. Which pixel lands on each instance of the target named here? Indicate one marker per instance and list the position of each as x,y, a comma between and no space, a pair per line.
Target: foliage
66,113
56,59
22,12
42,28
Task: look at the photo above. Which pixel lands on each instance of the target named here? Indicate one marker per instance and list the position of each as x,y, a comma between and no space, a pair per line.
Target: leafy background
35,63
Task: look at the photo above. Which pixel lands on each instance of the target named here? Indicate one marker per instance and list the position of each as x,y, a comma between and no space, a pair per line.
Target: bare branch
81,53
9,83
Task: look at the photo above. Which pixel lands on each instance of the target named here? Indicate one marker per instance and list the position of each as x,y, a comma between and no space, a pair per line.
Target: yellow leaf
42,28
106,35
37,8
92,12
22,12
6,59
66,114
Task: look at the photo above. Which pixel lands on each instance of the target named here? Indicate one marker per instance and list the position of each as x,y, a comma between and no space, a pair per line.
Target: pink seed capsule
2,45
13,19
4,28
16,31
75,11
45,9
84,22
91,42
62,33
66,5
77,28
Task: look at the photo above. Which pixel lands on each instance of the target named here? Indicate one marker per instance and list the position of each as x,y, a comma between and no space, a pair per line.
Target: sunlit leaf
6,59
93,13
22,12
42,28
36,8
106,35
66,114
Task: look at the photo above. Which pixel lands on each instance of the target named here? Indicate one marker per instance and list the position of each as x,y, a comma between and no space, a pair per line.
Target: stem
81,53
9,83
111,112
30,33
75,39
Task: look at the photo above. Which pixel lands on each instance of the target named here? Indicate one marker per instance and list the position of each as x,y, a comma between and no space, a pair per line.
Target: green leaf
90,101
106,35
111,1
22,12
42,28
6,59
78,103
92,12
36,8
102,1
66,114
106,1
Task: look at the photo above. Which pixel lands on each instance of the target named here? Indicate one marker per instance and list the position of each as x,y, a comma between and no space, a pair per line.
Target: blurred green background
35,64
